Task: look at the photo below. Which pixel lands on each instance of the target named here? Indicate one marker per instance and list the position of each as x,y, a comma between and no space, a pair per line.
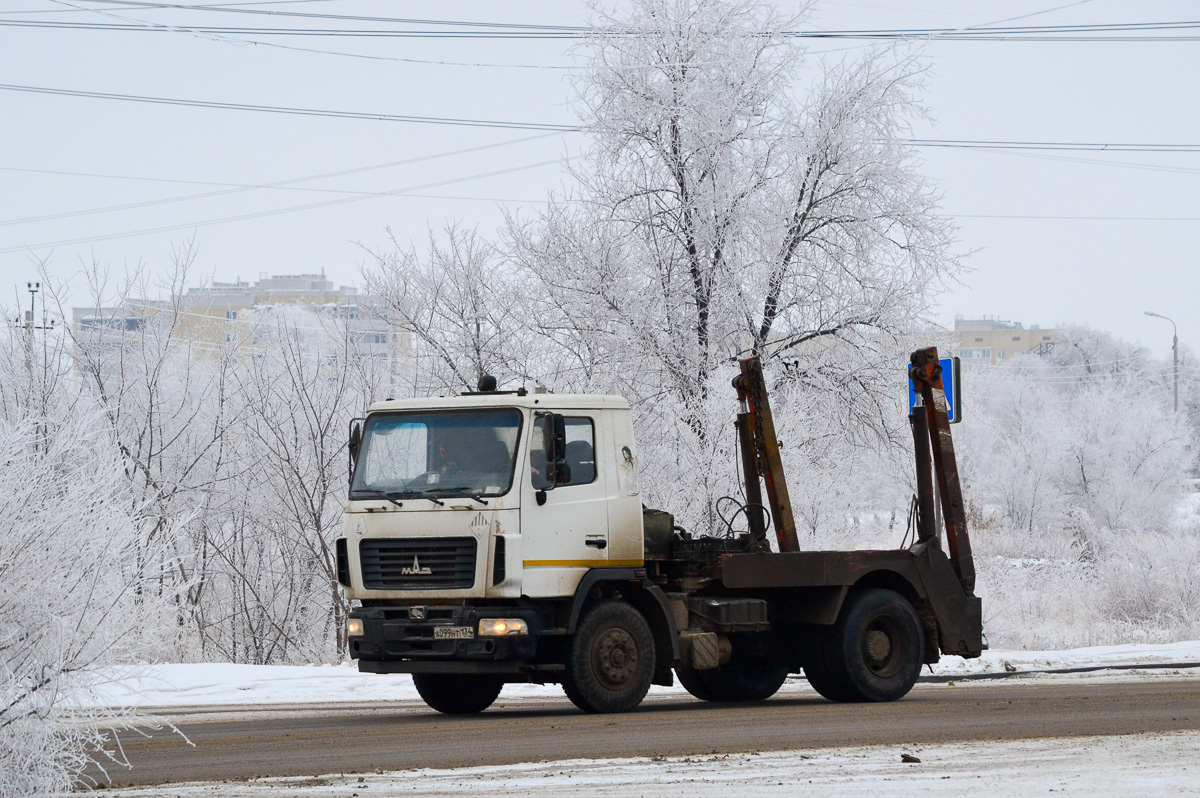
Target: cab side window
580,452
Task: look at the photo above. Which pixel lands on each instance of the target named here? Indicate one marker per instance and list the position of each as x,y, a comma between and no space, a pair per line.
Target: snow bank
212,684
1001,661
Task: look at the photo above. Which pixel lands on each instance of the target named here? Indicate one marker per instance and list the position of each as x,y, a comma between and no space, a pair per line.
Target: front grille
417,563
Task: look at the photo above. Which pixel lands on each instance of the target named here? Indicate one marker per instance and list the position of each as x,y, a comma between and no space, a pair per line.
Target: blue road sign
950,379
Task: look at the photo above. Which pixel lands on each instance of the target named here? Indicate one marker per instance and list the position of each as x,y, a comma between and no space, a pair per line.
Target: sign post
950,379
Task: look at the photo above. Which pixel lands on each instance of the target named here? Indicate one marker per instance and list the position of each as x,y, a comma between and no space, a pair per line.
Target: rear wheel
611,659
874,651
816,669
745,677
695,684
457,694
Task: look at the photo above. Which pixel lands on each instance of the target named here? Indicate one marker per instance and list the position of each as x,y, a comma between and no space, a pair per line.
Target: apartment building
991,340
236,313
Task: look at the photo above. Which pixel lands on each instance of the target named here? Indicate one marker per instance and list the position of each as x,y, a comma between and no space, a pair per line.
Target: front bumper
399,640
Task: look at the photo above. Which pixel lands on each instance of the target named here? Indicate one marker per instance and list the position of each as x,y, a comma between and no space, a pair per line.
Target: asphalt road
234,745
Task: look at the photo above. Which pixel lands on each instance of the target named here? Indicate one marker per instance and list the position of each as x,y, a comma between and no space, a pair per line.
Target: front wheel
874,651
611,659
457,694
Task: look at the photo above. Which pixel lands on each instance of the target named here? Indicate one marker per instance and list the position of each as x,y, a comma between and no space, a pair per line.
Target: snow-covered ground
1158,765
209,684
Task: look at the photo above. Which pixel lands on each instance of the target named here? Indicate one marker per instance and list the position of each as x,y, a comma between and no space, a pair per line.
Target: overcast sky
1057,237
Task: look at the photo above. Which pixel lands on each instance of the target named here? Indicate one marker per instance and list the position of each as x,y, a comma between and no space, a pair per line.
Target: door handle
599,543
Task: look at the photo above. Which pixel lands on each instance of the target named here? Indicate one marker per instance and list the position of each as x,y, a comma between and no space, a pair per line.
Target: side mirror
554,439
355,439
355,443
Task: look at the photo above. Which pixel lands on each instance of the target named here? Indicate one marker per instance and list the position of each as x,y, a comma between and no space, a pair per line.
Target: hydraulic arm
931,430
760,456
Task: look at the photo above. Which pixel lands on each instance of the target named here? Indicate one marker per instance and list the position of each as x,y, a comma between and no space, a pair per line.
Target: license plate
453,632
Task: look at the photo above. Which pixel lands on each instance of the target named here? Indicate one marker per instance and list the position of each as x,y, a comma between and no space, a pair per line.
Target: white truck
500,536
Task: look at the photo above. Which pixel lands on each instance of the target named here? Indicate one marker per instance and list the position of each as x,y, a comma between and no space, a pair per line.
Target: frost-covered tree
1081,433
459,305
163,387
303,381
232,435
736,197
1074,469
73,591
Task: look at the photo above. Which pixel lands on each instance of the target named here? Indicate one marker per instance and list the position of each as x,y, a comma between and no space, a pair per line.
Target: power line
343,17
1051,145
1031,14
1149,167
278,211
311,50
364,194
356,33
205,7
1104,32
433,120
279,46
238,188
1077,218
424,120
1083,364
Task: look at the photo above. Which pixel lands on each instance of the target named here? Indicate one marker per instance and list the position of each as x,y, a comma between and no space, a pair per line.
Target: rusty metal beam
917,419
926,374
755,518
752,392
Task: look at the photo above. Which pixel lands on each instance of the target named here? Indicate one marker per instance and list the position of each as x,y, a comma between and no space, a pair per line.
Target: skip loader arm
760,456
812,589
931,429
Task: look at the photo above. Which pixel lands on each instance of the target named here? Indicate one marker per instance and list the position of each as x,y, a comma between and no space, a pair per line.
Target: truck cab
472,522
449,496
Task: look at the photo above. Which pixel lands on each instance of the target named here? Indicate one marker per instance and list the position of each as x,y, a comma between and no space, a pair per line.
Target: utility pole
1174,352
28,321
37,388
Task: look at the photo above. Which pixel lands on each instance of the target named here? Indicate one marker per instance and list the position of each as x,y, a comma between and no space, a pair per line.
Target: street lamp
1174,352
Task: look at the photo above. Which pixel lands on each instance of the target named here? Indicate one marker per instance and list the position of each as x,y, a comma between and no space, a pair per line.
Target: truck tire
745,677
816,669
874,651
695,684
610,661
457,694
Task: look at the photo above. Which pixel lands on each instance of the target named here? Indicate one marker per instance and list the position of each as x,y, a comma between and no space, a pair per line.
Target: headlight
502,627
354,627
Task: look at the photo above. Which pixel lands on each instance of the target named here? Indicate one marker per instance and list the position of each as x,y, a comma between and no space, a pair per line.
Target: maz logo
416,569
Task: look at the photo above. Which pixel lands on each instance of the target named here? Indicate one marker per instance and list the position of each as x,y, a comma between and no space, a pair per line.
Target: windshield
437,454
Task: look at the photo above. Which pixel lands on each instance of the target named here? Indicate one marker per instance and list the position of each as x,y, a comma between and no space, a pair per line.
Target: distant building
223,314
991,341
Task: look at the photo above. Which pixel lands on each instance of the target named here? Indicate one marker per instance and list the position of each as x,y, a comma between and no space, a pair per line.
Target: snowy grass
1075,586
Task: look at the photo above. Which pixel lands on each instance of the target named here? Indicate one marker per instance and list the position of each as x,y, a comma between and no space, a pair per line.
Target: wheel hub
881,648
878,646
614,658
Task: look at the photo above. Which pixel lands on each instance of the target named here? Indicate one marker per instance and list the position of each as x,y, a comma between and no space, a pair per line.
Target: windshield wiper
382,494
461,488
407,494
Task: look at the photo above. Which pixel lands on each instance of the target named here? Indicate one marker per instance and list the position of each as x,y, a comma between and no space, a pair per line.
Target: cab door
564,528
